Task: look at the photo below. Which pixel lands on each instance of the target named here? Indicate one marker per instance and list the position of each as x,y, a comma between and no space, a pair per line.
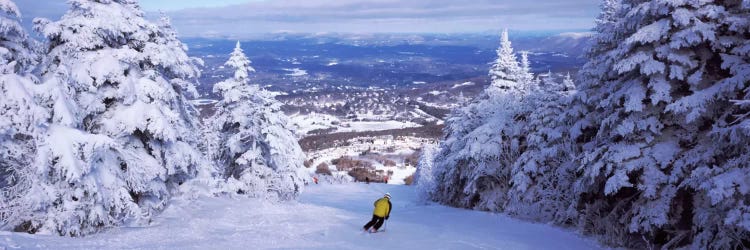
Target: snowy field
401,147
326,217
363,126
304,123
296,72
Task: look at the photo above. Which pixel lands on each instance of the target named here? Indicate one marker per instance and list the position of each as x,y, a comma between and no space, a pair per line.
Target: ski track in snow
325,217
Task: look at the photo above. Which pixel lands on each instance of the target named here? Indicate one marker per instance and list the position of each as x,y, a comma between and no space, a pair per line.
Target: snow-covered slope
318,221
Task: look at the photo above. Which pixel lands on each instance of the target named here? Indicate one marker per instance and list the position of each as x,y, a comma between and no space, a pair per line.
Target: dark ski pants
376,221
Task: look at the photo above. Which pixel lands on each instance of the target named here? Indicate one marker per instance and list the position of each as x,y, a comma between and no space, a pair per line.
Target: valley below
363,107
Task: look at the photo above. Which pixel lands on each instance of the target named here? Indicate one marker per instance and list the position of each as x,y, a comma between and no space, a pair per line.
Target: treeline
96,129
649,150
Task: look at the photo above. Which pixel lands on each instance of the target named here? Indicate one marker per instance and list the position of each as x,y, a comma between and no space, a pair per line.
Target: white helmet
388,195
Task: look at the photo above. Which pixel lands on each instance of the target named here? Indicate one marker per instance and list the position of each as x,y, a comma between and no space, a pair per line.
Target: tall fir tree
21,119
256,148
658,91
424,177
483,139
20,116
717,158
568,84
543,174
596,71
526,77
505,72
118,143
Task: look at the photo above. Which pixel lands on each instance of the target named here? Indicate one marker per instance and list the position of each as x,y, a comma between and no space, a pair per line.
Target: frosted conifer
256,148
505,72
21,119
118,141
659,90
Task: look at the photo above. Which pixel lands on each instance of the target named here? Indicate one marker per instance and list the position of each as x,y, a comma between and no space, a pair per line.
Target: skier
380,214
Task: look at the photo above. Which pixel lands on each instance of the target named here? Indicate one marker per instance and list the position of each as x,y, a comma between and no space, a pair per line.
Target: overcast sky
233,18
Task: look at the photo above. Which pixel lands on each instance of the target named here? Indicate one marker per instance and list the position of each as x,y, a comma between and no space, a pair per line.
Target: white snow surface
304,123
465,84
296,72
362,126
436,93
325,217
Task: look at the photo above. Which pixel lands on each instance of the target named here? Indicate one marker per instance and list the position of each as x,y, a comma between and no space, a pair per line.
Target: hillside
318,221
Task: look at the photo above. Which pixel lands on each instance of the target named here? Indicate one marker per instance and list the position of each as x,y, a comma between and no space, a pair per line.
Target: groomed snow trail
326,217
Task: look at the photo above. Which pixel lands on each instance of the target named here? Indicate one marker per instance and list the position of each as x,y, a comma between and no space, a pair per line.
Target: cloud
386,16
168,5
361,16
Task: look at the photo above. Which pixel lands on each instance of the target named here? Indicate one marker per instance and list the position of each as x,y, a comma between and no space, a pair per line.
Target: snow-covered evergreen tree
664,159
19,114
596,70
505,72
118,141
720,157
184,69
548,82
544,173
653,144
182,73
526,77
568,84
21,119
468,167
17,52
424,177
256,148
483,139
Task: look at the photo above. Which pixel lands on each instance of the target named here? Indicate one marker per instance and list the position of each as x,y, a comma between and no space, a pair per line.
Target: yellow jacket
382,207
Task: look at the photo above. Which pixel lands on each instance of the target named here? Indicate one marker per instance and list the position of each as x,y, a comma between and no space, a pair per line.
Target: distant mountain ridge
483,40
